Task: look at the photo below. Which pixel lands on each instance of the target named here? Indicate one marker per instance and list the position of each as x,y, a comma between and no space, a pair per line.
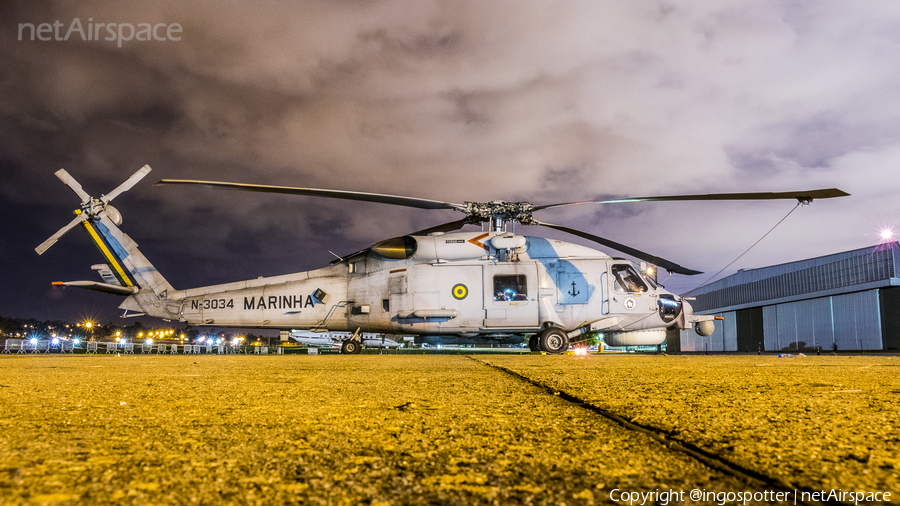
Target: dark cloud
454,101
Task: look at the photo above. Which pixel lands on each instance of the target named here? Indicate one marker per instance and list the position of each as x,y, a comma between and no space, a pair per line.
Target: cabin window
627,279
386,304
510,287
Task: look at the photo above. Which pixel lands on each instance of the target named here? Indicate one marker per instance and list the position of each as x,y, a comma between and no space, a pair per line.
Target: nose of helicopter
670,307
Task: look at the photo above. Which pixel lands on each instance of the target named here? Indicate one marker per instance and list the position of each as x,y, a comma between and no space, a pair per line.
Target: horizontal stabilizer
100,287
106,274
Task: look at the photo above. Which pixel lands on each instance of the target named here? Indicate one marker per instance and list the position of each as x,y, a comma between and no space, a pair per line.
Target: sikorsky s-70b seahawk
489,284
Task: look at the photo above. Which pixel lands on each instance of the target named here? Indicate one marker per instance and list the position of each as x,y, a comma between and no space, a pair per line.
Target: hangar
846,301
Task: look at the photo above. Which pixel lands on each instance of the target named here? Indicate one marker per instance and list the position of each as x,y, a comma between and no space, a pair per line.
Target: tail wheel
351,347
533,342
554,340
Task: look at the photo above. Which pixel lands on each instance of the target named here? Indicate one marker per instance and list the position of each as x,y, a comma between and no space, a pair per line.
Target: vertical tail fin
101,221
129,266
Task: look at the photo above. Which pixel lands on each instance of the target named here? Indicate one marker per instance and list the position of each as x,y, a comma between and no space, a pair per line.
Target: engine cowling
398,248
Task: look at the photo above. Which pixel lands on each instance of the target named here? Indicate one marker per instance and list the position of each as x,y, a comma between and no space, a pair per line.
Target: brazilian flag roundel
460,291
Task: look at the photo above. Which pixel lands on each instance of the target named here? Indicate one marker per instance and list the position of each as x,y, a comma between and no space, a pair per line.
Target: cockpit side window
510,288
627,279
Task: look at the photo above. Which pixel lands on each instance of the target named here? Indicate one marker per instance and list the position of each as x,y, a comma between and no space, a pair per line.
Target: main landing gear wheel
553,340
351,347
533,342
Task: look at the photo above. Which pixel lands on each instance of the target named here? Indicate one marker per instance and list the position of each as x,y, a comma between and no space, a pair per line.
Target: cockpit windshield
627,279
653,283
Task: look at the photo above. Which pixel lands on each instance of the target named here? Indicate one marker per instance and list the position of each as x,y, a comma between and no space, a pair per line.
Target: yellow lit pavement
817,422
428,429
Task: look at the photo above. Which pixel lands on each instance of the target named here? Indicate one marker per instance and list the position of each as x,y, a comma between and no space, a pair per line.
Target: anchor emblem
573,292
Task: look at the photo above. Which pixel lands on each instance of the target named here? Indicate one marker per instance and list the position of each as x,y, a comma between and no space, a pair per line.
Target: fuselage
464,284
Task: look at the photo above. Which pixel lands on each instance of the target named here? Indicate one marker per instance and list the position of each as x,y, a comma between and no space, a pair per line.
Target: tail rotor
91,207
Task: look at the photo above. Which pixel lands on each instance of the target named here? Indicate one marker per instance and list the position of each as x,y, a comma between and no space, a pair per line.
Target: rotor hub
500,210
93,207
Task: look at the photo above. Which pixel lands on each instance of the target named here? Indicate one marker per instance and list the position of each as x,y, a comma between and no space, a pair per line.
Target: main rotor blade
128,184
803,196
74,185
647,257
446,227
315,192
44,246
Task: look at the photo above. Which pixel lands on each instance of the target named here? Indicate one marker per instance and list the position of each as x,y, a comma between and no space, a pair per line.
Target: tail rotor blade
44,246
74,185
128,184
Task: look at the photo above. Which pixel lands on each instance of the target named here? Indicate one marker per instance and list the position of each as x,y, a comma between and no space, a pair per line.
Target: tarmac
449,429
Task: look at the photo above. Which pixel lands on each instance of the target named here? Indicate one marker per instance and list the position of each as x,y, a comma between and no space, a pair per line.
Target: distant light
887,234
77,341
55,340
33,340
149,341
581,351
202,339
235,341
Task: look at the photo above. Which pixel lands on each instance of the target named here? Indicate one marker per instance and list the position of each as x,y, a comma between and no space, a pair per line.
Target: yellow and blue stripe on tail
112,250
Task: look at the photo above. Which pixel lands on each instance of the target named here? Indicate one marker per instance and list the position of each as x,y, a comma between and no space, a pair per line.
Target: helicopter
337,339
491,284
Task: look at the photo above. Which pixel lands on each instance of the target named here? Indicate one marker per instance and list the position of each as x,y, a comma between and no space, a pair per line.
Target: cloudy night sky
456,101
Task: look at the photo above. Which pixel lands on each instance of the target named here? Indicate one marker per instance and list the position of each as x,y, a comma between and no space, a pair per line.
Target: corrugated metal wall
770,327
690,341
857,321
800,325
852,321
829,300
723,339
833,272
729,331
